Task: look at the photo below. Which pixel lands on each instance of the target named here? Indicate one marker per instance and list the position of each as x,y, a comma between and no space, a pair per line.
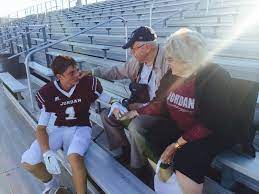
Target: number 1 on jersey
70,111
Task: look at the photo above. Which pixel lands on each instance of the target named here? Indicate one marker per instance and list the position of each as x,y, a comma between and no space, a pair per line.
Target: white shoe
54,183
61,189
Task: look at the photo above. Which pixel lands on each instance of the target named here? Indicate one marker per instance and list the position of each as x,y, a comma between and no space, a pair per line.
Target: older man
146,67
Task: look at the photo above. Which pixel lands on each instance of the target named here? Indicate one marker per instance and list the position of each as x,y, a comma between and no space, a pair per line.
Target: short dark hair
61,63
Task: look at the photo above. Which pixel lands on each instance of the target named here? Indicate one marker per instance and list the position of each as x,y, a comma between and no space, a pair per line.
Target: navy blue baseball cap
143,33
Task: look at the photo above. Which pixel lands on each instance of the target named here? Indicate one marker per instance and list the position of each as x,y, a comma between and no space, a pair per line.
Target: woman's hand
168,154
129,115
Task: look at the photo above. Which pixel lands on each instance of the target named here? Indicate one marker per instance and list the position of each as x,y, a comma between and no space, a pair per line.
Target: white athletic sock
53,183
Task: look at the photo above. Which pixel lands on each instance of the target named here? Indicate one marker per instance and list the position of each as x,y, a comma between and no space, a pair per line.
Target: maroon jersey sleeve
96,88
42,98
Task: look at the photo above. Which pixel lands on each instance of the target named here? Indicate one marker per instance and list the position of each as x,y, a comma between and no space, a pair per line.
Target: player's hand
117,110
51,162
129,115
84,73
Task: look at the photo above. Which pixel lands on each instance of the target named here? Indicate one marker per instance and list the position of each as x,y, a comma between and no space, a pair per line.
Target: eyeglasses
170,59
136,47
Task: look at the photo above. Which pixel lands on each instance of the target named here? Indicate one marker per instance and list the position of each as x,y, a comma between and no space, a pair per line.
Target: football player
69,98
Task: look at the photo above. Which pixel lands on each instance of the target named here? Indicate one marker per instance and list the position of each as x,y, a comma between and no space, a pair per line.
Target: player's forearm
43,138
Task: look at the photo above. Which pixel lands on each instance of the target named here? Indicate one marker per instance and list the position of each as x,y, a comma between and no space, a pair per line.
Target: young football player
69,98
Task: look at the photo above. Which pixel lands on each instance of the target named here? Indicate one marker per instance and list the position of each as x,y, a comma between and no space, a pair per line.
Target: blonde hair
187,46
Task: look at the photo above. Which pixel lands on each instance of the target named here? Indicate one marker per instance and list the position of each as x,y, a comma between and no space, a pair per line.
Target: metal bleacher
217,20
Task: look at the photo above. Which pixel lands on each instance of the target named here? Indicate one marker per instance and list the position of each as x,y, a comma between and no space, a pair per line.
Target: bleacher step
41,69
112,177
246,69
83,45
241,168
12,83
212,187
86,58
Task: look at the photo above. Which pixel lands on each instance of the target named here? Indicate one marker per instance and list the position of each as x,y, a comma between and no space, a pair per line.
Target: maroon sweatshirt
180,104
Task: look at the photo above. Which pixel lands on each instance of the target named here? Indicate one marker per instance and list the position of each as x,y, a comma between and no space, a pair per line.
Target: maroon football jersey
71,108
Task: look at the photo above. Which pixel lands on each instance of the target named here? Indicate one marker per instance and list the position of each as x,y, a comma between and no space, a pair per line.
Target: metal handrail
24,33
30,49
150,13
6,31
28,57
32,10
3,50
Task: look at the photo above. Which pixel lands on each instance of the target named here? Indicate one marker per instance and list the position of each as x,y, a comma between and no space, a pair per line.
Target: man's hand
117,110
51,162
84,73
129,115
168,154
135,106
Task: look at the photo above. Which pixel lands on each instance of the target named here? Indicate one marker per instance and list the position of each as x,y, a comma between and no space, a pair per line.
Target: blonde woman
190,125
